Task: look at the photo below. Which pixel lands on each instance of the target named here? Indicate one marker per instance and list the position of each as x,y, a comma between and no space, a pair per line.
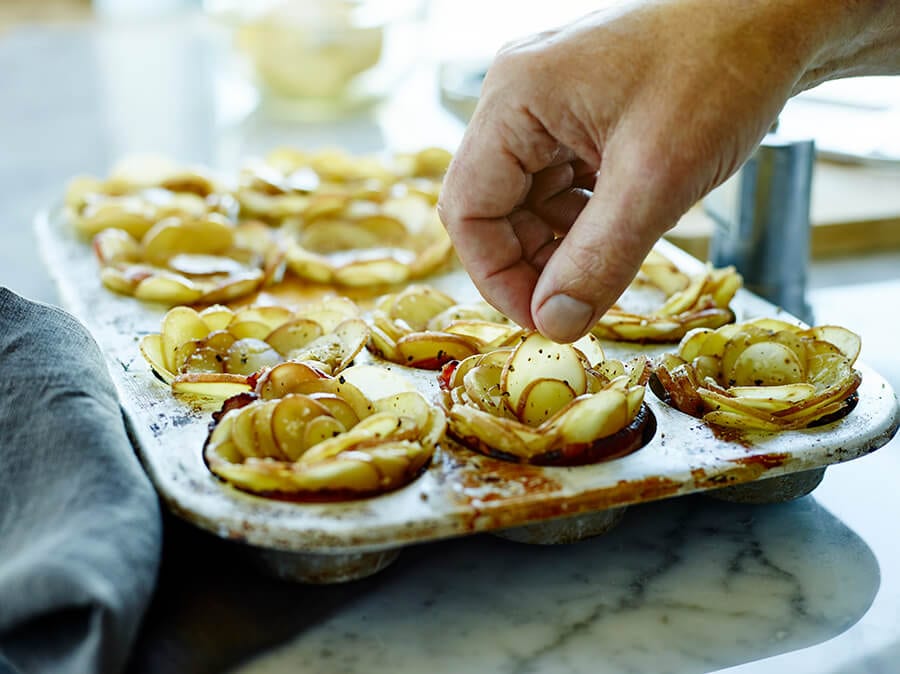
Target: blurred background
215,81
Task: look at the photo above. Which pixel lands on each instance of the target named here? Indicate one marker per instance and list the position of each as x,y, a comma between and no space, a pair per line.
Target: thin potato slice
210,385
535,358
289,421
293,335
433,349
542,398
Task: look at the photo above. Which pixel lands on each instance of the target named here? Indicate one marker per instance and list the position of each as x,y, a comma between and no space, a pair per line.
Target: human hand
589,142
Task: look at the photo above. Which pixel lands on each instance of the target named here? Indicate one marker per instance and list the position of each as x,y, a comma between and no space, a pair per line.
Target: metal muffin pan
461,492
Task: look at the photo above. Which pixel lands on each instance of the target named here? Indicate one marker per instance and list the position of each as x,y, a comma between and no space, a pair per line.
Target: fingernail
563,318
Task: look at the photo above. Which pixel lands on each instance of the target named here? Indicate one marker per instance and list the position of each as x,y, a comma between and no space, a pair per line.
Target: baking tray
461,492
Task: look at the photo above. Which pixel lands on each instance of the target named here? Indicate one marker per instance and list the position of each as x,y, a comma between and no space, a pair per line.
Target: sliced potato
765,374
430,350
293,335
520,403
542,398
536,357
249,355
289,423
210,385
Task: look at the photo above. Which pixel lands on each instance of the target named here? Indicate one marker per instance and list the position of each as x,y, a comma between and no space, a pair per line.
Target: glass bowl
320,58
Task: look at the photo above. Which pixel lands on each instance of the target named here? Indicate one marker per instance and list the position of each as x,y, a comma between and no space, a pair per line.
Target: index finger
487,179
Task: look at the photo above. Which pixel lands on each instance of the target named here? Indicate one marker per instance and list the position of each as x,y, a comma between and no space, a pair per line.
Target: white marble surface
691,585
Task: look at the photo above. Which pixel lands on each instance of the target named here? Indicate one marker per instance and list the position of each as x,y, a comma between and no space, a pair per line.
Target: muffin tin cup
313,568
565,530
771,490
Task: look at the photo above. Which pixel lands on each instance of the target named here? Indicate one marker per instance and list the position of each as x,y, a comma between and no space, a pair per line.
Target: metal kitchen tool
761,217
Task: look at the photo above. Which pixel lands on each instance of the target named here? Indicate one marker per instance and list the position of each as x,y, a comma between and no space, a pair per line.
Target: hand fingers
488,179
599,256
554,198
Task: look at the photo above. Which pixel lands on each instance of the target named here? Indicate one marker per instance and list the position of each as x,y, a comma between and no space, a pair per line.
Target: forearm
851,38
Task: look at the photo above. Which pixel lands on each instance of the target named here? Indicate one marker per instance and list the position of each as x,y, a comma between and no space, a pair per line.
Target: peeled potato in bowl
303,434
763,374
549,404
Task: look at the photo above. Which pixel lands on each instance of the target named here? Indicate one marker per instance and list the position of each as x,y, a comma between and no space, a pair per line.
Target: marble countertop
680,586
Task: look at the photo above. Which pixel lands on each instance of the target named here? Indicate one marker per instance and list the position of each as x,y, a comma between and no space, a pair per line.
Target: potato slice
407,404
151,347
417,305
210,385
293,335
243,432
381,344
247,356
480,430
286,378
321,429
249,329
536,357
337,407
179,326
217,317
481,333
175,236
541,399
263,429
203,359
372,272
375,382
233,287
588,418
113,246
290,418
430,350
165,288
766,364
590,348
785,393
847,342
375,429
271,316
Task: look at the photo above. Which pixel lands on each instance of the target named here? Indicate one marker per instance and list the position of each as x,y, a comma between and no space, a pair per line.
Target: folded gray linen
79,521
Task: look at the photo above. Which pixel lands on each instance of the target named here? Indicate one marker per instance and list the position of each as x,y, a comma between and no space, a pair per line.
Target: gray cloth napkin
79,521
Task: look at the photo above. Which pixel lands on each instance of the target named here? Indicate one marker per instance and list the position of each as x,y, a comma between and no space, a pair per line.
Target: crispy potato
700,301
542,402
219,340
764,374
315,444
425,328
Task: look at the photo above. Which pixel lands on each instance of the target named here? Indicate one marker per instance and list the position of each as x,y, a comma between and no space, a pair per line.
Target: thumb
597,259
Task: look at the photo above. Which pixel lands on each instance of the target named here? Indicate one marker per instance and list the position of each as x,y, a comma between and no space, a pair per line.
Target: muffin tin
461,492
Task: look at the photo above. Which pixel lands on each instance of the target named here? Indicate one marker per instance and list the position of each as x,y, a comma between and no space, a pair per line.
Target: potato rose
764,374
213,352
425,328
303,434
546,403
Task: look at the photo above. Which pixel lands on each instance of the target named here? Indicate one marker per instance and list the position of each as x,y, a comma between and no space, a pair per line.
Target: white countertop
688,585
